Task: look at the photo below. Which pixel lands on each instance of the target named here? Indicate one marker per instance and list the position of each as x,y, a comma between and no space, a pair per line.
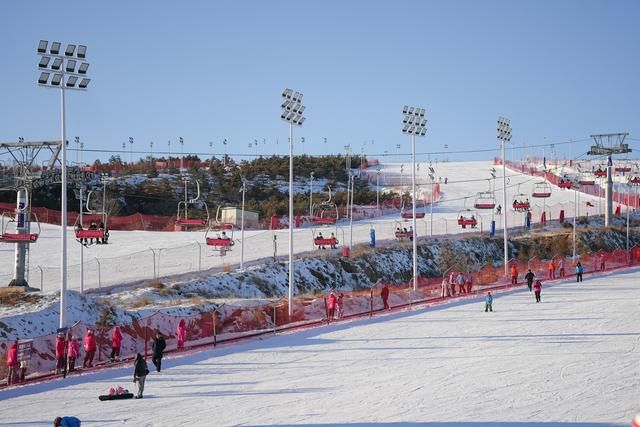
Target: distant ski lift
623,169
600,173
541,190
323,241
635,180
402,233
565,183
222,240
485,200
408,214
182,218
586,179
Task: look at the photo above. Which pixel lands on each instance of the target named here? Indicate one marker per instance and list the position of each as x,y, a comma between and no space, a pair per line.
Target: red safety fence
232,322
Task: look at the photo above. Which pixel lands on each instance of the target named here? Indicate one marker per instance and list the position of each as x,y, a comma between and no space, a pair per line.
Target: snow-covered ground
142,255
571,360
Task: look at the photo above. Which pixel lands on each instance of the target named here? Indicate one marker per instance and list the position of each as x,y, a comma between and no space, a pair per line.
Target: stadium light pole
58,71
131,155
181,154
292,110
415,125
243,189
432,177
378,191
311,194
504,136
575,214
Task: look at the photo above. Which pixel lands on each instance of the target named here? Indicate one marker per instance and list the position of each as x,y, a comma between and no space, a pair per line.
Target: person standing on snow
73,350
89,349
537,288
579,271
60,344
340,306
384,294
158,347
140,372
116,343
514,275
552,270
331,306
460,281
488,306
182,331
561,266
529,276
445,288
12,363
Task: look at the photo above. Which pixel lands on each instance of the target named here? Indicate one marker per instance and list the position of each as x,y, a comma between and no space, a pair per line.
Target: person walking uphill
182,330
579,271
116,343
537,288
140,372
12,363
384,294
158,347
529,276
488,306
89,349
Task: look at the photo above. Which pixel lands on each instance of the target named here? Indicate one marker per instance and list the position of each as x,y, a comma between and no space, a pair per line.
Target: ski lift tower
608,144
27,174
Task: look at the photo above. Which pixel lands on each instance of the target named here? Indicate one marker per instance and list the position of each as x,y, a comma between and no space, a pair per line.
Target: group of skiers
335,308
463,280
101,241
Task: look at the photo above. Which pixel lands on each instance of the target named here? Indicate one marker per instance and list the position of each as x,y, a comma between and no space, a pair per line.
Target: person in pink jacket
537,288
73,350
331,305
182,330
60,345
89,349
12,362
116,342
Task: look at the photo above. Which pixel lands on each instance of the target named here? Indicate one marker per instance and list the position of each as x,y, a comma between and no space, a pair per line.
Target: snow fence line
232,323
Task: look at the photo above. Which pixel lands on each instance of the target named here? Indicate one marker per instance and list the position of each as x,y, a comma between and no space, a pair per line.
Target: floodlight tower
292,110
415,125
59,71
504,136
609,144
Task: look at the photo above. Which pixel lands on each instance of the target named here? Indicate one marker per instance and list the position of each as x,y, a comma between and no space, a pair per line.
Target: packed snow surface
571,360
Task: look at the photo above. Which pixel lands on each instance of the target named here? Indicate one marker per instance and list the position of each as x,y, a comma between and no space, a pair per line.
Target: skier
514,275
66,422
89,349
445,288
469,281
602,262
488,306
140,372
333,241
158,347
561,266
537,288
552,270
182,330
73,349
331,306
452,283
460,281
499,210
340,306
579,271
60,344
411,233
384,294
12,363
529,276
116,343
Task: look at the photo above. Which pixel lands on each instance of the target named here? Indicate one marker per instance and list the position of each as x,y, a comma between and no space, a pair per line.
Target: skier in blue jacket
579,270
488,303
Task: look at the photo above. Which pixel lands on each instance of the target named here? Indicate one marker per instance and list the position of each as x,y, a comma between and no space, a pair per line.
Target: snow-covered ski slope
128,257
571,360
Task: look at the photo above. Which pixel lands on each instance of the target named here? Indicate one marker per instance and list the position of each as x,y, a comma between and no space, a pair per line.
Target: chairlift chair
325,212
466,218
408,214
222,240
182,218
402,233
541,190
6,236
600,173
485,200
321,242
565,183
89,236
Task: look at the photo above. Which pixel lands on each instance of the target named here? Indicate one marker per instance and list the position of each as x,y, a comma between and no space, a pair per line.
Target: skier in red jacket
331,305
73,350
116,342
12,362
384,294
182,330
89,349
60,345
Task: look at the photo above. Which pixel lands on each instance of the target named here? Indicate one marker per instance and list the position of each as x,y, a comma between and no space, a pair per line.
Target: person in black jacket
140,372
158,348
529,276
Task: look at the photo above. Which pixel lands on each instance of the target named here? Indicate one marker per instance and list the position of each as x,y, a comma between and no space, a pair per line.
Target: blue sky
213,70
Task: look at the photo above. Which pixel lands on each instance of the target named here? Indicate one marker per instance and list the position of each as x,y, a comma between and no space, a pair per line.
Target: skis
116,396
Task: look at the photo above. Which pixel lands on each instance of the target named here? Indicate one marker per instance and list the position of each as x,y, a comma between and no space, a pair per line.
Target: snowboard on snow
116,396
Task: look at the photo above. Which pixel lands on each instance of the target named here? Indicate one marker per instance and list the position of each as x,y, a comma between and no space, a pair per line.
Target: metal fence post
199,256
154,261
274,317
41,278
99,274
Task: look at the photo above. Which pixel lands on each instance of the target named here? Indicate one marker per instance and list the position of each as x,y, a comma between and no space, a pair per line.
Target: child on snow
579,271
488,306
537,288
73,349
